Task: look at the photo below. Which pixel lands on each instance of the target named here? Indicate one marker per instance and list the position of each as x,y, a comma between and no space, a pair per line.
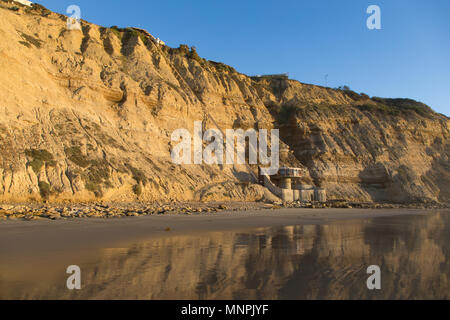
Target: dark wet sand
28,238
261,254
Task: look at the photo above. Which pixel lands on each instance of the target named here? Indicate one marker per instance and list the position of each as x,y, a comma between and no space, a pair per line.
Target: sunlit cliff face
88,115
302,262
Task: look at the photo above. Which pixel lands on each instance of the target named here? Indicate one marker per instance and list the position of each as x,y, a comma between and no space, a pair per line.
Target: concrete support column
286,183
321,195
287,195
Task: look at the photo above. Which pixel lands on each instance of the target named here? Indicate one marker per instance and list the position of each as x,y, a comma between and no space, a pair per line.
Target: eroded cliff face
361,152
89,115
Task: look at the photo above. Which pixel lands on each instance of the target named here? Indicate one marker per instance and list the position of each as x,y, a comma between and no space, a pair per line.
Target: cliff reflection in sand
295,262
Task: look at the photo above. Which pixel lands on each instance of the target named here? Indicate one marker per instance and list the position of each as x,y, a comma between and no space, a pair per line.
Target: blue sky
409,57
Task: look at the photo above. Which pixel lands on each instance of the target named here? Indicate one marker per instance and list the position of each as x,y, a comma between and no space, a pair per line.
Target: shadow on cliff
404,185
438,178
376,180
398,186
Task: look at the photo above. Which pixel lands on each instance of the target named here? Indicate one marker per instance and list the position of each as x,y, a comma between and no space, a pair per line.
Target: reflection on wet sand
295,262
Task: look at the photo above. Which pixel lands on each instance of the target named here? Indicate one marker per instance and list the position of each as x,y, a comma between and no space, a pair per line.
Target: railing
290,172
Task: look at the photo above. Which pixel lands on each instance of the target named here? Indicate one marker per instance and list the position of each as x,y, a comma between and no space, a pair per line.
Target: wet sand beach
35,236
254,254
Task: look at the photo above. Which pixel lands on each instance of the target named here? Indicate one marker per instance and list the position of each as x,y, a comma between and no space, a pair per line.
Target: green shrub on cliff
138,175
75,155
378,107
44,189
221,67
352,94
137,189
194,55
36,165
39,158
117,31
285,113
405,105
97,176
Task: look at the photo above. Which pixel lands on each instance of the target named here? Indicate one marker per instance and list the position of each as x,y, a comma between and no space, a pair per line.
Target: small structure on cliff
287,185
158,41
24,2
280,76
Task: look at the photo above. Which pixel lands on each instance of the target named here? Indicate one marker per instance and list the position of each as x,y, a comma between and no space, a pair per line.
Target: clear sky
409,56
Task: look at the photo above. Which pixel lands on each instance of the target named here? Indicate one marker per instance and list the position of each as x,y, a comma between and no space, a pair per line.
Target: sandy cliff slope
89,114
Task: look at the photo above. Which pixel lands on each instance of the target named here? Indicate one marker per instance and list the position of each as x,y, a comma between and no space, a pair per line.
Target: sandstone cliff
88,115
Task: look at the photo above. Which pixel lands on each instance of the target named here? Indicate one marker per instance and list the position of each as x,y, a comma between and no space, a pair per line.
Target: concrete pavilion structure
288,186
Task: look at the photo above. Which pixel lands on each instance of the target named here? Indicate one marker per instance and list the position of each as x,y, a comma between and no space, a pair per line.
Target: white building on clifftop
24,2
